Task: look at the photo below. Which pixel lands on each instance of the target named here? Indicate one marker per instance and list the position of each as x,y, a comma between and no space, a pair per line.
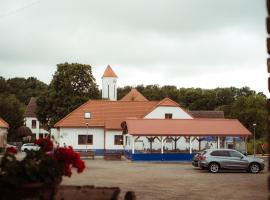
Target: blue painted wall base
100,152
159,156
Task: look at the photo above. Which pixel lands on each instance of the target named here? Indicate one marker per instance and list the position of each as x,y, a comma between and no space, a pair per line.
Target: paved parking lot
171,180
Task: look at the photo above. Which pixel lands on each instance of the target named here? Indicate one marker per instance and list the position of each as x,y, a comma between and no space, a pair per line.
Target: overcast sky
187,43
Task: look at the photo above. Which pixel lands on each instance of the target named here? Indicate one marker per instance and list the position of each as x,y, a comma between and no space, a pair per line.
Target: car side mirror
245,153
241,157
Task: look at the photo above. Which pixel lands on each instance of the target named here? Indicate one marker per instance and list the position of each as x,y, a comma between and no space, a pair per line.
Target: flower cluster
70,159
11,150
45,144
47,165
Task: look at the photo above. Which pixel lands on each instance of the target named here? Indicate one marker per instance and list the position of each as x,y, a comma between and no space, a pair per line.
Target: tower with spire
109,84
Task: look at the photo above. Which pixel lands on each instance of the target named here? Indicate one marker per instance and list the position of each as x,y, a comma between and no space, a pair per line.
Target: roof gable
109,72
168,102
134,95
3,123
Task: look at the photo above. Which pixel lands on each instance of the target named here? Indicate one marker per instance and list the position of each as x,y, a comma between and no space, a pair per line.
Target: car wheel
254,168
213,167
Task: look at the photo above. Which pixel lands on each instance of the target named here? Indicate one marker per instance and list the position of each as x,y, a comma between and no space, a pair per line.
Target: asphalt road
171,180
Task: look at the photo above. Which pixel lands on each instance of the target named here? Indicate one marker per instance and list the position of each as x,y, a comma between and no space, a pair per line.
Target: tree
11,110
23,88
72,85
248,110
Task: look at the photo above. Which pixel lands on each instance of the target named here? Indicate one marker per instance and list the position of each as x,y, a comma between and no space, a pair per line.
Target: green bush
260,145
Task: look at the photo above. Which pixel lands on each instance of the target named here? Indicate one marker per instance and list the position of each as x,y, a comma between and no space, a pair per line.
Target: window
220,153
33,137
85,139
235,154
87,115
118,140
168,115
108,91
34,124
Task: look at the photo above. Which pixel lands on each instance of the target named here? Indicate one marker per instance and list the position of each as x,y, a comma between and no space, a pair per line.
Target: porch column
132,144
218,142
190,145
162,145
246,144
124,142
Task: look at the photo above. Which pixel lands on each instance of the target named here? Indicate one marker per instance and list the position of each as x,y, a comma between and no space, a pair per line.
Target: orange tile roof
134,95
104,112
3,123
109,72
185,127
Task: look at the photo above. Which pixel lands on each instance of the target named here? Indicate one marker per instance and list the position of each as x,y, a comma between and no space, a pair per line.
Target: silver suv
216,159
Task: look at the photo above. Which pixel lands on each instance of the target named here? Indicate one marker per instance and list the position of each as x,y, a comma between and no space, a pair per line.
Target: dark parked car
216,159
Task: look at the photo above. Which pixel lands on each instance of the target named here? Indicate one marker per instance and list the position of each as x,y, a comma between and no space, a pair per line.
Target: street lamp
87,116
254,143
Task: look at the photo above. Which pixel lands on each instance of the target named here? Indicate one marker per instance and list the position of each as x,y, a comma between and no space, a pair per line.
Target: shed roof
206,114
3,123
186,127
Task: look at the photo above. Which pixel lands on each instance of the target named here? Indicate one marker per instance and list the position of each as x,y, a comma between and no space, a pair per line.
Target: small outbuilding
194,130
3,132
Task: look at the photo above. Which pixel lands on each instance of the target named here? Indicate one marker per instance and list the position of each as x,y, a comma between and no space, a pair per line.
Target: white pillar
190,145
133,144
218,142
162,145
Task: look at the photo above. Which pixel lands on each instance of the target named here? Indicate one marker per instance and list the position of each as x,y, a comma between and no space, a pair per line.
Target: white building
3,132
96,125
31,121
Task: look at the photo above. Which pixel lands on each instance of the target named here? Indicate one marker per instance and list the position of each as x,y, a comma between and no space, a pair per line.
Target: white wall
3,137
160,111
110,140
70,137
37,130
112,82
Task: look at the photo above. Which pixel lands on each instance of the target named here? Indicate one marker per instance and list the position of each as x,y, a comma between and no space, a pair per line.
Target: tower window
34,124
108,91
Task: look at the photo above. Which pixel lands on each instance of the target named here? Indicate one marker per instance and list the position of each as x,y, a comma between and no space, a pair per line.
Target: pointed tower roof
109,72
134,95
31,108
167,102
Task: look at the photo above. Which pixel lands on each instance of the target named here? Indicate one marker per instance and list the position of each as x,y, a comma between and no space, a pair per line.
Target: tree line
73,84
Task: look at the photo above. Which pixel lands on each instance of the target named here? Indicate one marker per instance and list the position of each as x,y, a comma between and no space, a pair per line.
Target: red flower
70,159
11,150
45,144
